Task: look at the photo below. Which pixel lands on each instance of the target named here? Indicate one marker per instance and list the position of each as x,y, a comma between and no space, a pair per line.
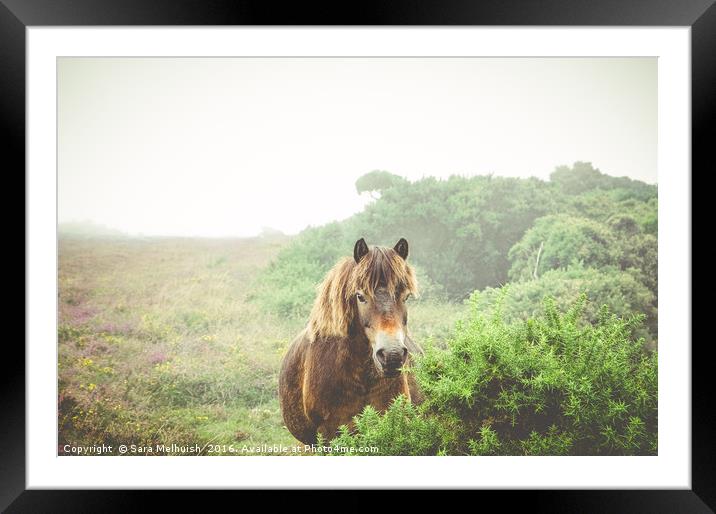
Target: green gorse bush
555,384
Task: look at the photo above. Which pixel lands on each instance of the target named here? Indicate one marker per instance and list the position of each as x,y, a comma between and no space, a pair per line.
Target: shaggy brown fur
328,374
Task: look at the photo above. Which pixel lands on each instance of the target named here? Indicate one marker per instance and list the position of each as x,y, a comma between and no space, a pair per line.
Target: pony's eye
360,297
408,297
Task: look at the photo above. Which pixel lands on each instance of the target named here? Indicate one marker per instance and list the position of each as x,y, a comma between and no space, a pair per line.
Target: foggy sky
223,147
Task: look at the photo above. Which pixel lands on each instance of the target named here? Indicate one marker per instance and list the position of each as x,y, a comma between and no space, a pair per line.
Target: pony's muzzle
390,354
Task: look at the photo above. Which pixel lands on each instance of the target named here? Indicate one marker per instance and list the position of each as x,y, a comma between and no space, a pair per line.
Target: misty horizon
205,147
91,226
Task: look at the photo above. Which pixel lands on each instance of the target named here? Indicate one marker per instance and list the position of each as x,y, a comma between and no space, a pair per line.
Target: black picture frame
17,15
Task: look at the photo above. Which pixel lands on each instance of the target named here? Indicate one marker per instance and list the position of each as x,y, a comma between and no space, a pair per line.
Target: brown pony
352,351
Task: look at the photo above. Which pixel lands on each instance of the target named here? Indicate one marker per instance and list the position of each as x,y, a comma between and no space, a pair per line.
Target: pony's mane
334,308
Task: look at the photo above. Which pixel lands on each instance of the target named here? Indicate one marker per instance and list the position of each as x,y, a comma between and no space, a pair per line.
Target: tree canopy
377,181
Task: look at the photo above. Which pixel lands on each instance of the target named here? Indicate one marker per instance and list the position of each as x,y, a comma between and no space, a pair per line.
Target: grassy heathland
159,343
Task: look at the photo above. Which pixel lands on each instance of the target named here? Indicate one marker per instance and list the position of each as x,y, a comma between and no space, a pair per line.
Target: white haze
224,147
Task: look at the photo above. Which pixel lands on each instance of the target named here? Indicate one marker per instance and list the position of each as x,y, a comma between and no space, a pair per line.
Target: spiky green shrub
563,240
401,431
622,291
553,385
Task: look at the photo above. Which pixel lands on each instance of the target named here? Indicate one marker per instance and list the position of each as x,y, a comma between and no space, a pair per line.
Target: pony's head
367,293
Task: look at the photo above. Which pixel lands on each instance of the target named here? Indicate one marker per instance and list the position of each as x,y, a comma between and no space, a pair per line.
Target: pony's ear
401,247
360,249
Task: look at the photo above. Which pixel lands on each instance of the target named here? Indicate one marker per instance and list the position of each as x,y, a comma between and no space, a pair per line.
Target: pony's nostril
405,353
380,354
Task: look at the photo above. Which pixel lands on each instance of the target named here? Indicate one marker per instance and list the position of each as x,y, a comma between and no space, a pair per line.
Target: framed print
449,248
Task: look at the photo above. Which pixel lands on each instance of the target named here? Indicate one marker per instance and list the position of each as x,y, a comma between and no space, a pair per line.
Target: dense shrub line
481,232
